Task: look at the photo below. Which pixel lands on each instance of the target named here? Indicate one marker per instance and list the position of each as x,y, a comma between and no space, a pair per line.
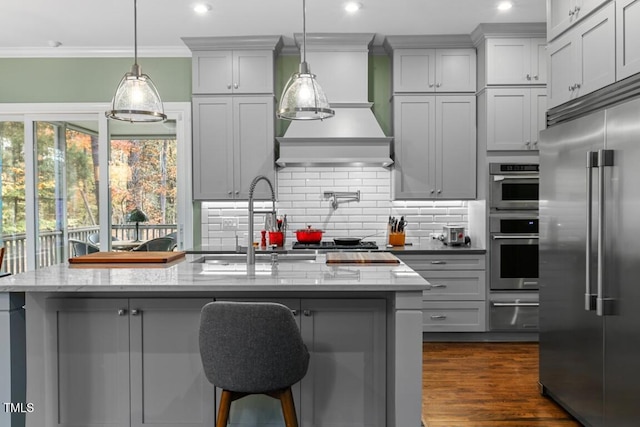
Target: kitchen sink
226,259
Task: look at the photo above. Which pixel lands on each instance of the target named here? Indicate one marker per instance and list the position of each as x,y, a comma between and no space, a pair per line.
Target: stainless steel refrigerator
590,265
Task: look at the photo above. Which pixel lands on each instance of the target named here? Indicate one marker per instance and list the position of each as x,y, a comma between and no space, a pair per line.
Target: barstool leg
223,409
288,408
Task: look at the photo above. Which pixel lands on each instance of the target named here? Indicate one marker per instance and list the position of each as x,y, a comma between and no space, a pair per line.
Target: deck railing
50,247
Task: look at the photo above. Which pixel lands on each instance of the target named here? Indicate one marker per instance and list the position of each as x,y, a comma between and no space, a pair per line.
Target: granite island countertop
185,275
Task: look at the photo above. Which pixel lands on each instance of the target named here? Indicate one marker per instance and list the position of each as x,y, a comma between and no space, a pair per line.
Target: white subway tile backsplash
301,196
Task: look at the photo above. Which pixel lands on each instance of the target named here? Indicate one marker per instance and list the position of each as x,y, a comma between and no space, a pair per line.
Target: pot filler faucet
251,251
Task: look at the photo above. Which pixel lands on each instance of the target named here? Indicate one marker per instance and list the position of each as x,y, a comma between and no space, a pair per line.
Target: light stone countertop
186,275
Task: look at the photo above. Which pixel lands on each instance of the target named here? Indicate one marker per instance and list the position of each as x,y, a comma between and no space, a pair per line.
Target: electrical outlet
229,224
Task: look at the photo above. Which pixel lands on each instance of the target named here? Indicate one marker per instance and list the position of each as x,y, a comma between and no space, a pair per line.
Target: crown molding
93,52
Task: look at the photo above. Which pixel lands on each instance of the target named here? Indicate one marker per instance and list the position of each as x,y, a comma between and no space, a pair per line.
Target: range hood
353,136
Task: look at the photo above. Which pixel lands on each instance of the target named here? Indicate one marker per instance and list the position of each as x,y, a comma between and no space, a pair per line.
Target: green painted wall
33,80
87,79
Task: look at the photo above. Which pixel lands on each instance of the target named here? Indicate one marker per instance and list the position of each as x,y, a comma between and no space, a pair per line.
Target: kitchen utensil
309,235
352,241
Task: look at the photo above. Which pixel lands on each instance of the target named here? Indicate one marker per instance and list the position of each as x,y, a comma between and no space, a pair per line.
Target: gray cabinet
345,380
627,38
514,117
232,72
583,60
455,299
435,147
123,362
563,14
516,61
233,142
434,70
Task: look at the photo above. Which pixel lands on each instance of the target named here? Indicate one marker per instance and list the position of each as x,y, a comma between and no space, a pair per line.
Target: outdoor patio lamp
137,216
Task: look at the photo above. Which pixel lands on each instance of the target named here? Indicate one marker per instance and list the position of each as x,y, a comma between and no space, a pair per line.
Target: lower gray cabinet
455,298
126,362
345,384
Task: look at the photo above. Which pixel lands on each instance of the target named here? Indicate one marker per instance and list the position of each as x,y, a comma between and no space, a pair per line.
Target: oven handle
515,304
512,237
506,177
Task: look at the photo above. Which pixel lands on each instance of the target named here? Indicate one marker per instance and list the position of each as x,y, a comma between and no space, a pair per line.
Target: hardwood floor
486,385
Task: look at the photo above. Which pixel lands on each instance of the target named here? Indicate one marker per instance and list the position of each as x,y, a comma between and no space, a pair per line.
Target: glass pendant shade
137,99
303,98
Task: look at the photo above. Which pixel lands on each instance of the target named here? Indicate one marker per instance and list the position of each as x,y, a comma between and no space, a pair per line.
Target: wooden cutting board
361,258
127,257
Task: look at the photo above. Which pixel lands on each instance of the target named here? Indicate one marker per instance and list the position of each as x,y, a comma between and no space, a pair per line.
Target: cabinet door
508,61
562,70
596,52
414,136
509,119
560,16
414,70
253,144
212,72
253,71
627,38
455,70
88,370
212,148
345,382
168,385
538,115
456,147
539,61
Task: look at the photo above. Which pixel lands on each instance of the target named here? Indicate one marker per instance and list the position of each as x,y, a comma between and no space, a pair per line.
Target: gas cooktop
328,246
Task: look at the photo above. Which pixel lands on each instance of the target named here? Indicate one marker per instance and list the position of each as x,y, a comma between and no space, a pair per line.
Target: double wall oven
513,236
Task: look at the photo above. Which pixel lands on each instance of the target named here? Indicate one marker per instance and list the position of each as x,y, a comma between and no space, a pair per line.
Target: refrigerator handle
603,304
589,295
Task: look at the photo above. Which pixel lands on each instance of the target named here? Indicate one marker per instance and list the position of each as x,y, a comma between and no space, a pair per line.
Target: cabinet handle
577,85
576,10
235,85
430,84
528,76
439,191
237,192
294,312
535,144
571,88
438,84
229,192
135,312
122,312
535,77
306,313
438,285
438,317
432,191
571,12
229,86
438,262
528,144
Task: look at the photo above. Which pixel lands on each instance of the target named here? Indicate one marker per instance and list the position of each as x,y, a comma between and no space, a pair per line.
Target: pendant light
136,98
302,97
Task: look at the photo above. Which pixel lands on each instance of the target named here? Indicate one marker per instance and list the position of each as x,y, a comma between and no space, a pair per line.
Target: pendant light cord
304,31
135,32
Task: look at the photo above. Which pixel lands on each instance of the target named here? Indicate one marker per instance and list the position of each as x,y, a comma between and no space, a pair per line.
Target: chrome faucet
251,251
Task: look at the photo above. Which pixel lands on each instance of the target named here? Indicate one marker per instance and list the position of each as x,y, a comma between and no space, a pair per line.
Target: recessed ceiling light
352,6
202,8
505,5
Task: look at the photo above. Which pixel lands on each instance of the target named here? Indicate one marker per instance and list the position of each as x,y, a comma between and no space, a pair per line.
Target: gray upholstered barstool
252,348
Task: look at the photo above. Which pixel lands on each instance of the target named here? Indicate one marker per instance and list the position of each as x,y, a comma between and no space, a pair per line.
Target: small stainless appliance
453,235
513,186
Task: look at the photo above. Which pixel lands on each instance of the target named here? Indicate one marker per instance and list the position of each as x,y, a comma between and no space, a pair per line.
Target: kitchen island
117,344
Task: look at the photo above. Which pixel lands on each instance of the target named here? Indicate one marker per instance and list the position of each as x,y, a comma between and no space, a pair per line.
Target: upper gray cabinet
516,61
627,38
563,14
427,64
434,70
233,65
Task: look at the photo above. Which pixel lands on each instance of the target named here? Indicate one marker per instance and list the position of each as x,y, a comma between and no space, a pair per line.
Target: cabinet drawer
444,261
462,316
454,285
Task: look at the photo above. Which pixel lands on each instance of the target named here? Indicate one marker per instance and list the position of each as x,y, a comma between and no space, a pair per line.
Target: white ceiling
105,28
